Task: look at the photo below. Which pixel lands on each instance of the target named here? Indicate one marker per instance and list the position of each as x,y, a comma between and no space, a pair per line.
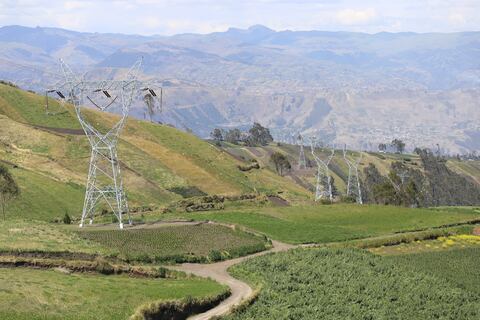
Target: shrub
325,201
214,255
348,199
66,218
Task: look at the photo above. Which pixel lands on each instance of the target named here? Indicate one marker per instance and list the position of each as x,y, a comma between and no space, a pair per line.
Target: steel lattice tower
104,180
302,163
353,183
324,179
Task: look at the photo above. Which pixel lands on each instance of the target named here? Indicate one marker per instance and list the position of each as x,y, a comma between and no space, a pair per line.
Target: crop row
178,243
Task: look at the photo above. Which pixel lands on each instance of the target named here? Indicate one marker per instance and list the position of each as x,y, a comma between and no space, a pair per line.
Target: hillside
352,87
49,155
457,169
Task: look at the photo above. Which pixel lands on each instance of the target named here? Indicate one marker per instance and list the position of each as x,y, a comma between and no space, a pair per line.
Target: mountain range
347,88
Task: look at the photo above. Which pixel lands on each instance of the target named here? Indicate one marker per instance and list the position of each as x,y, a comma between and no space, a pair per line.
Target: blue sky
169,17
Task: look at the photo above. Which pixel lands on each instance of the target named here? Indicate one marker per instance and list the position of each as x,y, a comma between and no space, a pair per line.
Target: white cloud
203,16
456,19
355,17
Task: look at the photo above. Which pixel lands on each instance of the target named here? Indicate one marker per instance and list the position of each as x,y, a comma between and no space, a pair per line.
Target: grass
22,235
177,243
38,294
340,222
459,266
27,107
325,283
42,198
442,243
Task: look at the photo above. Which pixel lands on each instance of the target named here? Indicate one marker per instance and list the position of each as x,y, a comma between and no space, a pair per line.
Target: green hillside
338,168
49,155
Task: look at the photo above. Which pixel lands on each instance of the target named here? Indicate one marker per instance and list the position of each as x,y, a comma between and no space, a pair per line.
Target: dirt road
218,272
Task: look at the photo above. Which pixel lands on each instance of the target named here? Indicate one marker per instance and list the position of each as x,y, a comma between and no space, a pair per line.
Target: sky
168,17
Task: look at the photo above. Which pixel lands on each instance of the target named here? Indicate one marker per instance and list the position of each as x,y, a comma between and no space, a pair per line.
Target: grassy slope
336,222
38,294
160,162
339,169
41,236
348,284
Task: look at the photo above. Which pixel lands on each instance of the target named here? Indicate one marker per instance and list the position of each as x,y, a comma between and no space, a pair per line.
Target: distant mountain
347,87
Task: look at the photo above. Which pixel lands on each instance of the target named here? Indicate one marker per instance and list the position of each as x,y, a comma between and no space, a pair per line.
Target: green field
340,222
459,266
177,243
27,294
311,284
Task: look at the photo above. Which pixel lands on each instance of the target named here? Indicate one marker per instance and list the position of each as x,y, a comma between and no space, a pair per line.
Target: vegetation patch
338,222
46,294
440,243
192,243
395,239
41,239
348,284
459,266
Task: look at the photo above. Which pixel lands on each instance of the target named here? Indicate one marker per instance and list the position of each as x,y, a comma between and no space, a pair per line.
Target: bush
215,255
348,199
67,219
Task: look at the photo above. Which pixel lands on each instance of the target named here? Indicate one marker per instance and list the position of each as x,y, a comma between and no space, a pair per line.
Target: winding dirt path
218,272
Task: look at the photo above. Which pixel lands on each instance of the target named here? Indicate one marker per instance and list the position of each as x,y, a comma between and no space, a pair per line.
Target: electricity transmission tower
104,180
324,179
302,163
353,182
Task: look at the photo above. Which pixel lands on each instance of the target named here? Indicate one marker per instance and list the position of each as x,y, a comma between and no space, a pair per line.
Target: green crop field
459,266
340,222
178,243
349,284
39,294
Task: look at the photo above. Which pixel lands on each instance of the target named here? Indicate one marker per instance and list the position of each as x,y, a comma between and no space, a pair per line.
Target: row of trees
435,185
397,145
257,135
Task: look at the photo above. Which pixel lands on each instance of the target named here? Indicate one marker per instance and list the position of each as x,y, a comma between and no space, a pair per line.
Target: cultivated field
348,284
199,243
339,222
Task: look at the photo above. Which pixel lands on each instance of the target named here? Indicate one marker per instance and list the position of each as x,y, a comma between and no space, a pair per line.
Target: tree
259,135
8,189
281,162
217,134
233,136
399,145
382,147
